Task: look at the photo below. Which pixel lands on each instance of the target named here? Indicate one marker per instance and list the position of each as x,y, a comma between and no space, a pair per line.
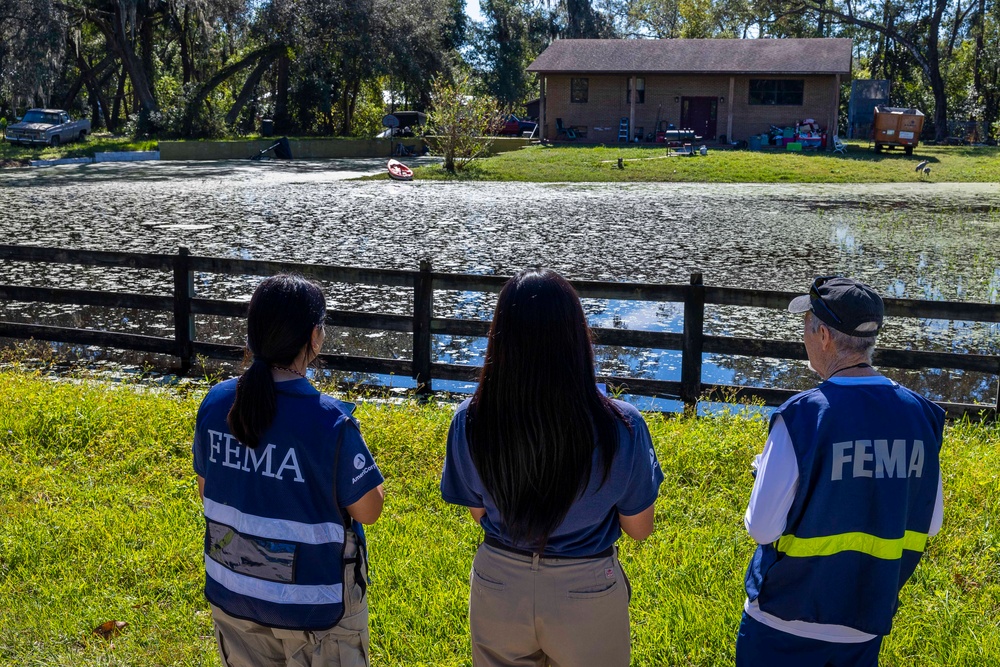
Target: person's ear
825,337
316,340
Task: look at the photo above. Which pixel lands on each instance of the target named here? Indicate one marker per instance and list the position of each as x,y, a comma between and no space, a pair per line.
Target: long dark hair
537,415
283,312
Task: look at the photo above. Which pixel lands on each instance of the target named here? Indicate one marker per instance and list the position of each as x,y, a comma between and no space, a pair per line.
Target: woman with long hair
287,482
553,471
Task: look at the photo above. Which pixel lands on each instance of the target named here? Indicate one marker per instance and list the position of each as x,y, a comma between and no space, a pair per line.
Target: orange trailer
896,127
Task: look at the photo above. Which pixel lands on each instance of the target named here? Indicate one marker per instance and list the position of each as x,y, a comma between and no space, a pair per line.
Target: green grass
11,155
99,521
546,164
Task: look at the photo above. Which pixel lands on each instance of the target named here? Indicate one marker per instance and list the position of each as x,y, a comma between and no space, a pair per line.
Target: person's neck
858,367
295,370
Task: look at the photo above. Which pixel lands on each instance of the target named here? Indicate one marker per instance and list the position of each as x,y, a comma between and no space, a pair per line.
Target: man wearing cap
847,491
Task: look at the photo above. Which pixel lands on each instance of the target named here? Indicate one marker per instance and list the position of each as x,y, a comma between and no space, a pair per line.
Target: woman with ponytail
553,471
287,482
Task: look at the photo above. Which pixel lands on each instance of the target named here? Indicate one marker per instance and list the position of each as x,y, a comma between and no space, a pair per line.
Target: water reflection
908,240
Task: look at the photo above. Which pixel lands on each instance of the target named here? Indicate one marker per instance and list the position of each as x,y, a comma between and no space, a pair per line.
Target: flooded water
920,240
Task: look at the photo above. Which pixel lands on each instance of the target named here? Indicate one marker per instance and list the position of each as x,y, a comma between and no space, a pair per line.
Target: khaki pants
531,612
248,644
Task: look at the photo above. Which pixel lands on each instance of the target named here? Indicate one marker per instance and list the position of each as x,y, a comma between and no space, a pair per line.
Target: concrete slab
64,160
127,156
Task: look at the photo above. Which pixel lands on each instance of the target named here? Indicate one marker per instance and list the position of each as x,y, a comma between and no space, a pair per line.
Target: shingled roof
695,56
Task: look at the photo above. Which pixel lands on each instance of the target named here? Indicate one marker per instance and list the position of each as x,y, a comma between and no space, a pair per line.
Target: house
722,89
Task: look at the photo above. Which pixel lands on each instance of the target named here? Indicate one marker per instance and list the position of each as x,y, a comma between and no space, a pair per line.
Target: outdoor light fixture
722,100
676,100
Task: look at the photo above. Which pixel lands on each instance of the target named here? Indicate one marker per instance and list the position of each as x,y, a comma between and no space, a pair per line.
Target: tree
462,123
127,27
32,50
986,62
669,19
583,22
513,34
917,28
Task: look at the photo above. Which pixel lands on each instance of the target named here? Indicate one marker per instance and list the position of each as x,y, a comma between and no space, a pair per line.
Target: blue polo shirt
591,525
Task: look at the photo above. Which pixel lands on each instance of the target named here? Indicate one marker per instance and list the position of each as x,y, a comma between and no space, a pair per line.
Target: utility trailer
896,127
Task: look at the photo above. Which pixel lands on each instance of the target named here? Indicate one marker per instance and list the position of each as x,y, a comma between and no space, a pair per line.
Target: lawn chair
560,130
839,146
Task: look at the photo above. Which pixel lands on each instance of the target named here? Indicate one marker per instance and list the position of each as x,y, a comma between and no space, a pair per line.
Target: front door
700,114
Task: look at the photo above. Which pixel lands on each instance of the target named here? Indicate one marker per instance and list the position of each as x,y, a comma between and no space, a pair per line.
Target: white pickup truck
48,127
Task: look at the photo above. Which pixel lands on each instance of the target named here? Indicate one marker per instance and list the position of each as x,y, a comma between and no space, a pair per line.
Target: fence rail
692,342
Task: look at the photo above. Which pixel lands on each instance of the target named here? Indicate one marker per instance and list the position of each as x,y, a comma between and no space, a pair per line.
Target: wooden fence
693,343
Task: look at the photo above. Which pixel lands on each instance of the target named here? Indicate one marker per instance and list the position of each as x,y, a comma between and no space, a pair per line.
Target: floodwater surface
920,240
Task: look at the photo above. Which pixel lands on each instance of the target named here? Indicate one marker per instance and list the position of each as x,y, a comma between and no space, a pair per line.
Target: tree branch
248,87
886,30
271,51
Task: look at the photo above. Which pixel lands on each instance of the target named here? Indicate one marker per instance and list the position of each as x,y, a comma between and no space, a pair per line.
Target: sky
472,10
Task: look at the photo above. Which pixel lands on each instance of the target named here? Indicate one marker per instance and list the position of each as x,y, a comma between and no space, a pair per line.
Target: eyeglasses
815,297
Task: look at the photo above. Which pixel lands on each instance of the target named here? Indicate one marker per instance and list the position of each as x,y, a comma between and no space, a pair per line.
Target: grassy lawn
11,155
99,521
568,163
572,163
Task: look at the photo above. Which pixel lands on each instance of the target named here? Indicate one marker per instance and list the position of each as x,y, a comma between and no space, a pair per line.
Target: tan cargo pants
248,644
530,612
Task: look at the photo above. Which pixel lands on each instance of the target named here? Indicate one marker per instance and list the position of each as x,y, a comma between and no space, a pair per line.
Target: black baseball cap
844,304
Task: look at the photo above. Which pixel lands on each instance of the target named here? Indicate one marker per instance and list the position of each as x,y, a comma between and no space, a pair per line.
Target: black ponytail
283,312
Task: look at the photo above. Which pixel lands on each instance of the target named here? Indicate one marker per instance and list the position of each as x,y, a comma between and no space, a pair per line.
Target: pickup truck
514,126
49,127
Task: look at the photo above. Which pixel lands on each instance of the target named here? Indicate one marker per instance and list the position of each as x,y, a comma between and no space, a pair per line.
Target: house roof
695,56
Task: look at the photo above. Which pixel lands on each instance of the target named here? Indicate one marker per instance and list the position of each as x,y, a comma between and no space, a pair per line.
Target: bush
462,122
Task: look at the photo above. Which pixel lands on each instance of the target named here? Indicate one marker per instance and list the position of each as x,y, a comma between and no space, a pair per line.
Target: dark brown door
700,114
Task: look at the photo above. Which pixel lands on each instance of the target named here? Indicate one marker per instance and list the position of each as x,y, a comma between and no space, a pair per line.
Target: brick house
723,89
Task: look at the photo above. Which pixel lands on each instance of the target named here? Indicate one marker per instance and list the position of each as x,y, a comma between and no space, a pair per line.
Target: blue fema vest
274,536
868,477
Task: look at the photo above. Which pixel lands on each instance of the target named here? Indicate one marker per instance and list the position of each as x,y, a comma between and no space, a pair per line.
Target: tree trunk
117,38
119,101
281,118
187,66
222,75
932,68
940,107
136,72
986,99
89,77
348,103
146,46
246,93
355,91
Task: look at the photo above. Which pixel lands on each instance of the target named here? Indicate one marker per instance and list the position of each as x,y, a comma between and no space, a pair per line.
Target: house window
640,90
578,90
779,92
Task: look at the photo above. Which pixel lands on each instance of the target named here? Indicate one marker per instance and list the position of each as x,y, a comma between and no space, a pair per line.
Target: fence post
693,343
183,319
996,407
423,308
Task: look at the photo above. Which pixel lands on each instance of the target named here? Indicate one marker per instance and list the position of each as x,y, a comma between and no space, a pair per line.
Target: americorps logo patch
359,461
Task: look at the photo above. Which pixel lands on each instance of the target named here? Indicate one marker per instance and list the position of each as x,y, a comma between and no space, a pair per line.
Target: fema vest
274,536
868,477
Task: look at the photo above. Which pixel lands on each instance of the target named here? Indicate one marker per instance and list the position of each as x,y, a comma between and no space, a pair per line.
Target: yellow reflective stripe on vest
891,549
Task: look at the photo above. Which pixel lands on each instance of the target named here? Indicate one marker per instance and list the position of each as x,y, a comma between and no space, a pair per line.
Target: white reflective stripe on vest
272,591
274,529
